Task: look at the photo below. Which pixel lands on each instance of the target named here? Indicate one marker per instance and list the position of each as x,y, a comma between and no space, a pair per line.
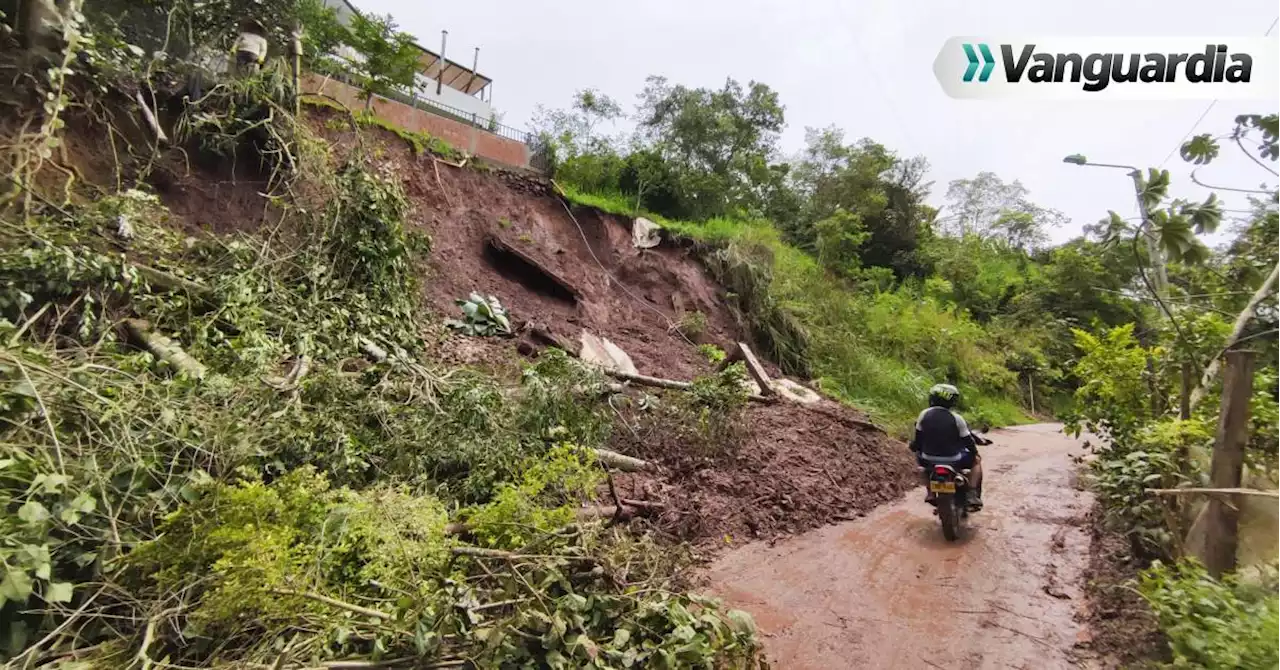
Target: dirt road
887,591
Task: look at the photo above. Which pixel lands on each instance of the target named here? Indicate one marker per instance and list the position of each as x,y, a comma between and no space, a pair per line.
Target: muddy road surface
887,591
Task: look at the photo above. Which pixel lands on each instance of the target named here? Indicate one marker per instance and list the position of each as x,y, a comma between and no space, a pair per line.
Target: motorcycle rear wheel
949,516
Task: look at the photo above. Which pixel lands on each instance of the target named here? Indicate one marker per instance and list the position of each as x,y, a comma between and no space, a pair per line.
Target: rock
602,352
645,234
795,392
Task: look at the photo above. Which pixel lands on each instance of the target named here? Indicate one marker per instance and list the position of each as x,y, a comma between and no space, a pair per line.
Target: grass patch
879,350
419,142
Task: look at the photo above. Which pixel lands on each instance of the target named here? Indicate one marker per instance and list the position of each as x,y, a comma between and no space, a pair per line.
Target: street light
1079,159
1136,175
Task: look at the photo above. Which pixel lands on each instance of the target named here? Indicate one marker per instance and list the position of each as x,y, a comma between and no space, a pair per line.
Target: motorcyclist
941,433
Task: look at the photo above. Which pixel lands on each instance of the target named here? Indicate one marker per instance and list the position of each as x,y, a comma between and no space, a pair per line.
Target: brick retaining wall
459,135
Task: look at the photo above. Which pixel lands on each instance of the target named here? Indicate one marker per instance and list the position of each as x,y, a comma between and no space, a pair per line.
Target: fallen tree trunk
151,119
171,282
1242,320
622,462
164,349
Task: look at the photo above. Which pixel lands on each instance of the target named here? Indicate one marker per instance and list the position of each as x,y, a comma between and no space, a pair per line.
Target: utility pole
1161,279
444,39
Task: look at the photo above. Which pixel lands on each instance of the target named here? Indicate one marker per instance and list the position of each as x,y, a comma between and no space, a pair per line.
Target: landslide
792,467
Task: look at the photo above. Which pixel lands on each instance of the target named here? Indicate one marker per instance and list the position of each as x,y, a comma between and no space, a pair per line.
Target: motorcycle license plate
942,487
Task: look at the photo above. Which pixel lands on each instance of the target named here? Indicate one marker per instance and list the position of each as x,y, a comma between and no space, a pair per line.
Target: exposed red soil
1123,631
795,468
633,303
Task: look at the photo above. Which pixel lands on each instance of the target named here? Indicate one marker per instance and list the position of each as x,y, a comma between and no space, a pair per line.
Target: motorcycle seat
942,460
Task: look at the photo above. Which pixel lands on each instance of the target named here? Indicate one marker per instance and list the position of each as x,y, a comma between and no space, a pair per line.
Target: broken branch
375,353
151,119
334,602
164,349
622,462
1210,491
169,282
742,352
1242,320
645,380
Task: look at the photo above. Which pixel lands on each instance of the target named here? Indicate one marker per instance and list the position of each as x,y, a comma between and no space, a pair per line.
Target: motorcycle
949,491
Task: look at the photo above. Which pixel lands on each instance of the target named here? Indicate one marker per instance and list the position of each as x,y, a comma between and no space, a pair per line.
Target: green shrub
1114,400
692,325
708,419
541,502
243,545
712,353
1210,623
1156,457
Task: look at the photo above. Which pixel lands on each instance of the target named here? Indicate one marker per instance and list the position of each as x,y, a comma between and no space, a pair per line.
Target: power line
1178,146
1208,109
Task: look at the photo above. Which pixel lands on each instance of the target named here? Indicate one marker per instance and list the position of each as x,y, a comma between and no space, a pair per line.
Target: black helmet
944,395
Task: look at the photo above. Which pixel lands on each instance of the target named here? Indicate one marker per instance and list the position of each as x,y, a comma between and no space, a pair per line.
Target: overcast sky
865,66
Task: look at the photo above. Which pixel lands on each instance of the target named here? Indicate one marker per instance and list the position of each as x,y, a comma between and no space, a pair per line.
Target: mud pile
799,467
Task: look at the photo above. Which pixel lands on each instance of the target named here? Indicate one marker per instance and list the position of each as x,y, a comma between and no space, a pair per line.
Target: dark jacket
942,432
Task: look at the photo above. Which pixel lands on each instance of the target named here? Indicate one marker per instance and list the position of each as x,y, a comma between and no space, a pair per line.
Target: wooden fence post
1221,518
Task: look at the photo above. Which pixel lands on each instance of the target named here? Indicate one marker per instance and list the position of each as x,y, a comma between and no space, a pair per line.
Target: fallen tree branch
435,164
164,348
375,353
643,504
289,382
358,609
1242,320
622,462
645,380
151,119
482,552
1209,491
742,352
171,282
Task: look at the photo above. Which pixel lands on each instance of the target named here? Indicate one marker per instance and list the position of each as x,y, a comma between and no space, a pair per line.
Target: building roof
452,74
447,71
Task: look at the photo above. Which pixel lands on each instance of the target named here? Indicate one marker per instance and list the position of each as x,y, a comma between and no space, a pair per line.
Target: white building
446,86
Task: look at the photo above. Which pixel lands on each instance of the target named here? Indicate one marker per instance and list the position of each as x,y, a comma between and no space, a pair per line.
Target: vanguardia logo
988,62
1141,68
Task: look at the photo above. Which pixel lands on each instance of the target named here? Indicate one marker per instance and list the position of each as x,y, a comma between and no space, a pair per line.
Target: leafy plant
481,316
1158,457
712,353
1113,401
1213,624
388,57
692,324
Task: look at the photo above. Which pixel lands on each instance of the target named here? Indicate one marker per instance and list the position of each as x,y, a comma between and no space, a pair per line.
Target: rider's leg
975,479
924,473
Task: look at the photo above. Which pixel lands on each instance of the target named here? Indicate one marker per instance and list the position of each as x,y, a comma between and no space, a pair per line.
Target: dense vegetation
837,263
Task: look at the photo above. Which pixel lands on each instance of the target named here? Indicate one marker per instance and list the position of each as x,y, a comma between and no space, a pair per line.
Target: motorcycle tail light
941,470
